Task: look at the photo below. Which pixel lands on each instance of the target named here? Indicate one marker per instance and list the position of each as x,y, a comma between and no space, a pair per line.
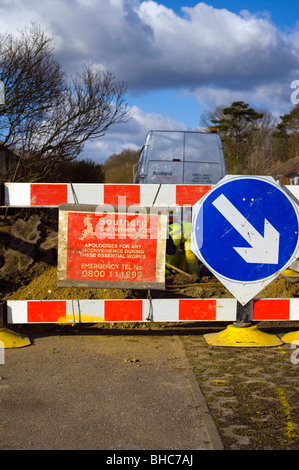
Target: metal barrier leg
242,333
10,339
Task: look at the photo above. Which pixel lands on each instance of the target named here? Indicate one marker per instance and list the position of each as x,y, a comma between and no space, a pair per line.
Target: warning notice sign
99,248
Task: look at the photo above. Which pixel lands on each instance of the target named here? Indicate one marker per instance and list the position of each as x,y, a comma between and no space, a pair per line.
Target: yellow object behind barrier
292,337
236,336
179,251
191,260
10,339
290,273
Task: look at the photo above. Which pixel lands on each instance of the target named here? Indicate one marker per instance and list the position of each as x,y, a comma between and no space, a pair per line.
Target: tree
48,116
77,171
261,154
236,125
119,168
287,135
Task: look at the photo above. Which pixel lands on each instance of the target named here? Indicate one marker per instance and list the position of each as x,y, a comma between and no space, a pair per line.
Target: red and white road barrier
145,310
131,310
52,194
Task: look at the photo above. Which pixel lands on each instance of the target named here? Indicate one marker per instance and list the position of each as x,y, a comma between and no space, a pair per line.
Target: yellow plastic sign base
290,273
10,339
249,336
292,337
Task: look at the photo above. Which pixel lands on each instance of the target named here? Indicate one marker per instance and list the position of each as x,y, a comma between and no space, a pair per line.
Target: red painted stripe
197,309
44,194
189,195
46,311
119,310
266,309
121,194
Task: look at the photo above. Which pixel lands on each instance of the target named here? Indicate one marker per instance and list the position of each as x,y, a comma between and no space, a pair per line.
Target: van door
204,159
165,157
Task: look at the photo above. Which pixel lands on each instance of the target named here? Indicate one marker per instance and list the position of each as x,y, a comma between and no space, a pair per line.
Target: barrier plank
145,310
114,310
53,194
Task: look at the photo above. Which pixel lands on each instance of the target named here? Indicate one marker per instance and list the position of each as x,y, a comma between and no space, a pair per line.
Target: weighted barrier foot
242,336
10,339
292,337
291,275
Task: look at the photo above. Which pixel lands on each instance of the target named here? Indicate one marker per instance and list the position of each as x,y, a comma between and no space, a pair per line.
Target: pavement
93,389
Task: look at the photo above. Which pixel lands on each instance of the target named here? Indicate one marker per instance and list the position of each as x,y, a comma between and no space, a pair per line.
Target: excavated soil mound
44,286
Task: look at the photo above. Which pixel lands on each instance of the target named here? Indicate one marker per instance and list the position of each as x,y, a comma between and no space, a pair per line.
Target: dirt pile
28,246
44,287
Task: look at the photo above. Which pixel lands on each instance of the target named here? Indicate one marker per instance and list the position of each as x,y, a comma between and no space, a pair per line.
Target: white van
181,157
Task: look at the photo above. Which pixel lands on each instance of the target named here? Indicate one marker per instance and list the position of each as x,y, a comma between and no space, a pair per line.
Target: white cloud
273,96
214,54
212,45
149,46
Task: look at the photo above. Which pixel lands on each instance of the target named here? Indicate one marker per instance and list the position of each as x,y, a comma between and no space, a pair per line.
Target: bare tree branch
49,116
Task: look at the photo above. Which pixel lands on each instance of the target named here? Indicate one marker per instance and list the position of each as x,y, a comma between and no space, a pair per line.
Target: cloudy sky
177,57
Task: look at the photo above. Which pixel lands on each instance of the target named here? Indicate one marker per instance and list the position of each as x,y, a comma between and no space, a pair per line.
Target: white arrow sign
264,249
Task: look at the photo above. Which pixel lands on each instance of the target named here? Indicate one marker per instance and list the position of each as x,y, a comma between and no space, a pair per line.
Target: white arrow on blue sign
246,231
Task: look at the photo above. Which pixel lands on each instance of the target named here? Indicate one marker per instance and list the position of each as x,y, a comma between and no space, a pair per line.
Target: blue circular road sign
245,230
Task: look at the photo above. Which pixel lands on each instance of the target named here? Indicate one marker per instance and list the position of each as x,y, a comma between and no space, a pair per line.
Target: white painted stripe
85,194
226,309
162,310
294,309
158,195
85,311
148,194
294,189
17,194
166,196
17,311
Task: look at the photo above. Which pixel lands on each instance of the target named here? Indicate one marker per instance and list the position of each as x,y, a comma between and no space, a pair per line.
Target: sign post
246,231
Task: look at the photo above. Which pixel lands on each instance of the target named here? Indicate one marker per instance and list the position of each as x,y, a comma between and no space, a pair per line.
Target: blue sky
283,14
178,58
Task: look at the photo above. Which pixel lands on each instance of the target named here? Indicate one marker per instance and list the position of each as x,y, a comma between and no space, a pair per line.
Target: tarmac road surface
96,390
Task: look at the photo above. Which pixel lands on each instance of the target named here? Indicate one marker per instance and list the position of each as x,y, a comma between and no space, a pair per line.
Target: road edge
207,418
